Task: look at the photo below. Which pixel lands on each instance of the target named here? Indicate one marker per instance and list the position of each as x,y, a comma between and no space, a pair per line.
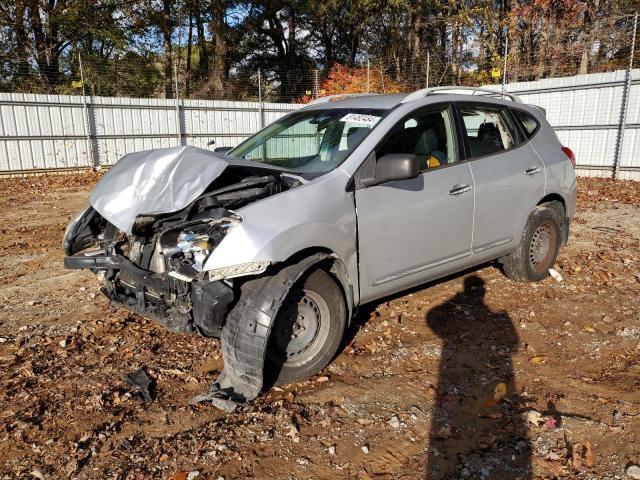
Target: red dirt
421,371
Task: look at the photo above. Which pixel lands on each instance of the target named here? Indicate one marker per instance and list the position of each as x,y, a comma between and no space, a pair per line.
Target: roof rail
333,98
484,91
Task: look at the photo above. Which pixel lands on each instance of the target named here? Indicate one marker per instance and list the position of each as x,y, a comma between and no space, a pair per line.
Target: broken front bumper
180,306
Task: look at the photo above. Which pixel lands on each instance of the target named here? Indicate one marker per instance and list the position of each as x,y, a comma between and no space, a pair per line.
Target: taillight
569,153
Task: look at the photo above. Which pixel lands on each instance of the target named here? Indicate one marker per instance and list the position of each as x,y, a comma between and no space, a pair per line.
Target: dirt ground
462,378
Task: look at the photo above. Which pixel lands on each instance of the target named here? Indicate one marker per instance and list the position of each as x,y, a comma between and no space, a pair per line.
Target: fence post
316,89
260,104
428,67
506,53
625,103
368,75
95,158
178,115
263,149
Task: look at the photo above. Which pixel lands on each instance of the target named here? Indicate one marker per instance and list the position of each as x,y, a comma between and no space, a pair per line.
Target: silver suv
273,244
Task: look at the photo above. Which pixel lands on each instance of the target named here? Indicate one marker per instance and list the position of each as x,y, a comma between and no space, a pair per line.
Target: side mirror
222,149
394,166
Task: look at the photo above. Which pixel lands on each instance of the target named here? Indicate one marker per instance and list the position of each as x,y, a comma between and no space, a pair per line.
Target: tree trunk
22,40
166,35
218,29
203,64
415,34
187,83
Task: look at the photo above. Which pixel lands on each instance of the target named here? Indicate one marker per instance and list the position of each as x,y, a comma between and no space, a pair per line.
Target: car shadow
477,430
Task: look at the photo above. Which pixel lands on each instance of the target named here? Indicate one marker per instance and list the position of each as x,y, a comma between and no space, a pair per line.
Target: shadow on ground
476,425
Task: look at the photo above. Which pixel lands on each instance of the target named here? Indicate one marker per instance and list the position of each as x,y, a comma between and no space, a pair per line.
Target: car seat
427,148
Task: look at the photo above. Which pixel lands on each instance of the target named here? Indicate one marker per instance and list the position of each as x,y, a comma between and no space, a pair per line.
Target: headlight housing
186,248
250,268
196,246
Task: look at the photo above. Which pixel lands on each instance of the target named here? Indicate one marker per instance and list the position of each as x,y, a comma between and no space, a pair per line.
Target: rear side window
489,128
528,123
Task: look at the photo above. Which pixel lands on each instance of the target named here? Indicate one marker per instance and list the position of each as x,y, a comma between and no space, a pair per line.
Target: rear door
410,231
509,177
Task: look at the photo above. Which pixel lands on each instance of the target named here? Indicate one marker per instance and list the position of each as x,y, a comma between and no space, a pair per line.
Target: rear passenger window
489,129
527,122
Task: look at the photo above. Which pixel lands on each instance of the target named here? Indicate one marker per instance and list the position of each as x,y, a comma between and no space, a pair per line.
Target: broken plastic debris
141,384
218,397
555,275
534,418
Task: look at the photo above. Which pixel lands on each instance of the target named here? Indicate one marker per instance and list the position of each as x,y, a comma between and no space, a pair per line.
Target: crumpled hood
153,182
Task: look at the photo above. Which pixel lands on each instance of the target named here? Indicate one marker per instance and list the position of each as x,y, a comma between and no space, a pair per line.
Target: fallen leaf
582,455
538,359
500,391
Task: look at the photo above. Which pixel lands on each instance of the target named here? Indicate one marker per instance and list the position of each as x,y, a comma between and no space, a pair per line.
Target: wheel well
553,197
335,267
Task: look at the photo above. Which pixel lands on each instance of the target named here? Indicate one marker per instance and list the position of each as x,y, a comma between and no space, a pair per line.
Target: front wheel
538,248
308,329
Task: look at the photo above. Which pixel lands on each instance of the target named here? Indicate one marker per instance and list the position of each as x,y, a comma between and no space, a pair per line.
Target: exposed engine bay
158,269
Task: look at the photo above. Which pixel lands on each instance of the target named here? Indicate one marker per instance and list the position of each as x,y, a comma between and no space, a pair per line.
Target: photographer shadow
477,431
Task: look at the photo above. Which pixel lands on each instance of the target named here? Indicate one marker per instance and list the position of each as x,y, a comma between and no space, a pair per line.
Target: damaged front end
155,264
155,273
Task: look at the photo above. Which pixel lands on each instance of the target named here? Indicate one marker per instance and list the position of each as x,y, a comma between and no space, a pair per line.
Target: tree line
215,48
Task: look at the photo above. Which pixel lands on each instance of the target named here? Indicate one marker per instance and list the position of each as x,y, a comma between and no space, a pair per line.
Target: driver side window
428,133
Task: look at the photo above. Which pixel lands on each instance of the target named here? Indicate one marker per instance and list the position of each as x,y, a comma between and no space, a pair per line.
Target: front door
410,231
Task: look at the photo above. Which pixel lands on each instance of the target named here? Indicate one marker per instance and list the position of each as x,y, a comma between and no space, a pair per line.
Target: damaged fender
246,333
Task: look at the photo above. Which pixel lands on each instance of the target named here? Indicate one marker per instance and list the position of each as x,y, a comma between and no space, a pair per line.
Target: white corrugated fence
47,132
585,111
43,132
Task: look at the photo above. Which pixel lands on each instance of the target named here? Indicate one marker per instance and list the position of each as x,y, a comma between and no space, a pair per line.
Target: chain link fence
95,111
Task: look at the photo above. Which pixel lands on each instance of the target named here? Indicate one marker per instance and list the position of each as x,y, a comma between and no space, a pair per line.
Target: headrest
488,131
427,142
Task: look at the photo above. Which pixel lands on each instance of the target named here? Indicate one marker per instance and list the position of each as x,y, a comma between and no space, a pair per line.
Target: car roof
389,101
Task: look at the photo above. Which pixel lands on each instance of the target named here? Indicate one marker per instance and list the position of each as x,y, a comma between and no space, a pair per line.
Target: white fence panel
43,132
585,111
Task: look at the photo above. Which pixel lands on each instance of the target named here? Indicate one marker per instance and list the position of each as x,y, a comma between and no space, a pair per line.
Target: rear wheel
539,246
308,329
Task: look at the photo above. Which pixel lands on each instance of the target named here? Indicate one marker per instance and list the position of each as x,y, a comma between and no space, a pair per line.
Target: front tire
308,329
538,248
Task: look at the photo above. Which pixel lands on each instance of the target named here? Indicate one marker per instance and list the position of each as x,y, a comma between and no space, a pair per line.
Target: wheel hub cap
540,244
303,323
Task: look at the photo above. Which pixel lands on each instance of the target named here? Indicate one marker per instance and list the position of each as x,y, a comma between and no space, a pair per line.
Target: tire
307,330
538,248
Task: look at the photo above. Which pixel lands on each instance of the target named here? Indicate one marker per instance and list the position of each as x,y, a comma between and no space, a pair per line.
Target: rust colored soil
466,377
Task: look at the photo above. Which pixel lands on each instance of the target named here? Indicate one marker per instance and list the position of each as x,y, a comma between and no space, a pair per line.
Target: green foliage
214,48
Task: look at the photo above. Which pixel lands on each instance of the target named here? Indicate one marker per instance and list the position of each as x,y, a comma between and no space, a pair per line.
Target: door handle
532,170
459,189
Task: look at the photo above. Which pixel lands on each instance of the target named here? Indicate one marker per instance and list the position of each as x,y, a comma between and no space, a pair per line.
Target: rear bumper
180,306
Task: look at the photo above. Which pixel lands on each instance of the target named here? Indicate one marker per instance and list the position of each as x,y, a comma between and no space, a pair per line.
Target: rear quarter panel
560,174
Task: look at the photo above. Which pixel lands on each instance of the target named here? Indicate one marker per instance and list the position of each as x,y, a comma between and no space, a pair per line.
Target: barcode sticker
369,120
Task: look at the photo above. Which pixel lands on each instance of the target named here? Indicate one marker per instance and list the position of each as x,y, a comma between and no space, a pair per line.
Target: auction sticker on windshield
369,120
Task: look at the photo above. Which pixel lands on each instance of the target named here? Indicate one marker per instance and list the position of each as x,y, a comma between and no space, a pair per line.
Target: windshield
313,141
